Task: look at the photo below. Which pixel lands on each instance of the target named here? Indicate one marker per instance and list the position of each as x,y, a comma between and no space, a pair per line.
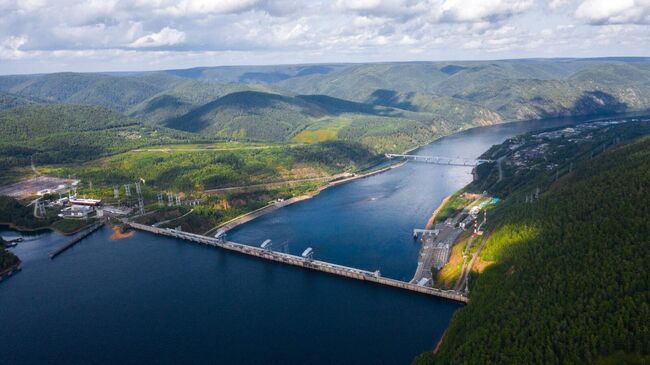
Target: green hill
441,108
261,116
184,97
249,115
117,93
565,277
8,101
56,133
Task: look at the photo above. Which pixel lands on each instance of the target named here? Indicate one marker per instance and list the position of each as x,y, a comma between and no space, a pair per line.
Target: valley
279,153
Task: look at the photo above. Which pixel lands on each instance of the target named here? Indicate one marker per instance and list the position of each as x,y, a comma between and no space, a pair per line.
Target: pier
76,240
304,262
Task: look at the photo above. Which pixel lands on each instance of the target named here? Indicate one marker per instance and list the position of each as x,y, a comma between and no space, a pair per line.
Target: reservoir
152,299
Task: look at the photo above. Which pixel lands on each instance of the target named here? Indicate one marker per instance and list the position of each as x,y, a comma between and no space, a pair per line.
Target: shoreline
432,219
46,228
10,271
269,208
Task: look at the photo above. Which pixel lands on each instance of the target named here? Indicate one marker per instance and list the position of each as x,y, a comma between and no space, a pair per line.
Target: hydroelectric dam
305,262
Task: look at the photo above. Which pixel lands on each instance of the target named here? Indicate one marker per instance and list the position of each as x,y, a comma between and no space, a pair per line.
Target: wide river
150,299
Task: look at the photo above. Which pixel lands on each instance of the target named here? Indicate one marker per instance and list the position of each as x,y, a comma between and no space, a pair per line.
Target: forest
56,133
7,259
198,169
563,277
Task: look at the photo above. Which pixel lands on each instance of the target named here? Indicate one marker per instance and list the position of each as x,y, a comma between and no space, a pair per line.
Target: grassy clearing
324,130
454,205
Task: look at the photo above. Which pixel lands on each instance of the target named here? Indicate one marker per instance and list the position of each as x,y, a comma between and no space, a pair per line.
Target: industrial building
81,208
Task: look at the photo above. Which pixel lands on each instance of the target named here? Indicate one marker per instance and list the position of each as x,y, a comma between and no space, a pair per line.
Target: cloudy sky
112,35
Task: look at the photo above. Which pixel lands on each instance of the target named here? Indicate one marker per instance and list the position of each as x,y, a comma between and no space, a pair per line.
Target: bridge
306,262
440,160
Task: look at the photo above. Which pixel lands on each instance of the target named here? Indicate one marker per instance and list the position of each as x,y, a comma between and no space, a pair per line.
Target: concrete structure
440,255
289,259
76,211
85,202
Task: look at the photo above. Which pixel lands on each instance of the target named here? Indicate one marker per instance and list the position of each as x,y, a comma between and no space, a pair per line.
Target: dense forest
62,133
7,259
566,277
199,169
389,107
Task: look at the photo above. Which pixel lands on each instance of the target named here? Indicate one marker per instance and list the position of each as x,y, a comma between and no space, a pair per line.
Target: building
85,202
77,211
81,208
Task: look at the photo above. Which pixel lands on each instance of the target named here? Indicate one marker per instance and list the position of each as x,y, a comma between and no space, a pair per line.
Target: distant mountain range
387,106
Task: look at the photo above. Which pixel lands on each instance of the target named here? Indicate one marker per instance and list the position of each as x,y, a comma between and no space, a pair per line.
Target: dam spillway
294,260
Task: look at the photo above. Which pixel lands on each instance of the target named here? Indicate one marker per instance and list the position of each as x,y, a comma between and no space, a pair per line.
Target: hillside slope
263,116
117,93
56,133
566,278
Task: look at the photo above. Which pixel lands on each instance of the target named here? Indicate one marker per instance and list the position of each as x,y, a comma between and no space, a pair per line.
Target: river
150,299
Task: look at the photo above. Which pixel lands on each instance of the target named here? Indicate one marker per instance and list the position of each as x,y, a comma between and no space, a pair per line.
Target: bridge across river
289,259
440,160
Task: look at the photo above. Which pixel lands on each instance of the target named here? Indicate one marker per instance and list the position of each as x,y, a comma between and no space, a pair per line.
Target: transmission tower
40,206
137,188
141,205
127,190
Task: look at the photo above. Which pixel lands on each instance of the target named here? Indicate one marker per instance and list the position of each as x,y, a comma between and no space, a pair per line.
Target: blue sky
114,35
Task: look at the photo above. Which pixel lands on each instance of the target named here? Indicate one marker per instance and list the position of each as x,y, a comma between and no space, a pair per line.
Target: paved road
269,185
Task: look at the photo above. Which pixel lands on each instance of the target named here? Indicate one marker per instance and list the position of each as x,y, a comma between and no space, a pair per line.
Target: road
499,162
255,187
205,149
173,219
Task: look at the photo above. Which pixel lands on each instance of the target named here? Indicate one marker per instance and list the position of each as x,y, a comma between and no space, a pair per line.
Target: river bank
247,217
432,219
49,228
9,272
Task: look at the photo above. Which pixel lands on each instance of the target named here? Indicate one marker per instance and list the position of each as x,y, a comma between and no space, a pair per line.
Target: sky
38,36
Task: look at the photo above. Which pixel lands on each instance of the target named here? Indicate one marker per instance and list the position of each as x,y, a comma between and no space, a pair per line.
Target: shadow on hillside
598,102
390,98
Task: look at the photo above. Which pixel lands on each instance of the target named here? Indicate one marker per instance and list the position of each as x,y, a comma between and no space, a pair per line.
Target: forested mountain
386,106
117,93
8,101
255,74
184,97
56,133
564,275
269,117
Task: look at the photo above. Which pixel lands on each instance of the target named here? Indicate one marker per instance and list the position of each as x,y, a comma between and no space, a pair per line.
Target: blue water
150,299
369,223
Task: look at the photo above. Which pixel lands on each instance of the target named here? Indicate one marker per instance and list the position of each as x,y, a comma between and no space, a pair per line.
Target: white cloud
600,12
480,10
10,48
166,37
206,7
36,35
